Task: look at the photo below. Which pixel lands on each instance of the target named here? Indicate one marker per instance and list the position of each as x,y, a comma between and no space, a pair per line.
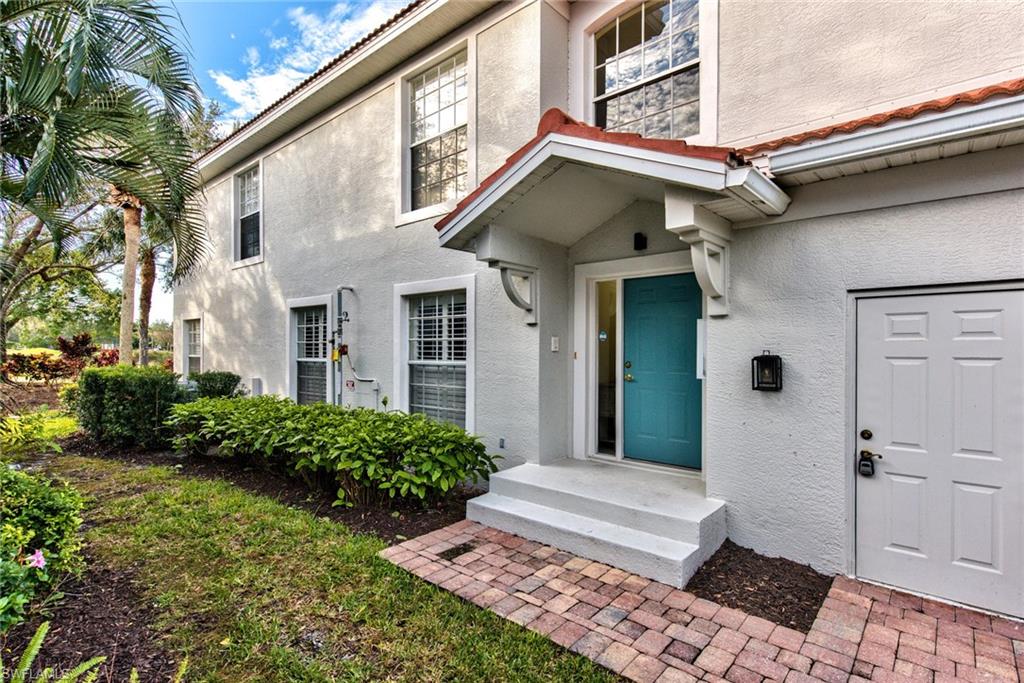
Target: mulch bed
774,588
101,614
28,396
403,521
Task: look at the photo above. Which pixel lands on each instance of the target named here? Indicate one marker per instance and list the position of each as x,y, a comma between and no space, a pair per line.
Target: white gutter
955,124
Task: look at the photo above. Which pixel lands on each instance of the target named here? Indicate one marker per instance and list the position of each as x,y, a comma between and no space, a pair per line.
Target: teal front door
661,393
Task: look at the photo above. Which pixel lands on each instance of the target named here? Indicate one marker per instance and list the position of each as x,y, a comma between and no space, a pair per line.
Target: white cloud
318,38
252,57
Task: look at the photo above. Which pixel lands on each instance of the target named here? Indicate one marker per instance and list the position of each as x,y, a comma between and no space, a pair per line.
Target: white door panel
940,384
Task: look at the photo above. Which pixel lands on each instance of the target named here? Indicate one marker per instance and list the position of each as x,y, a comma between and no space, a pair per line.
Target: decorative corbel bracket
708,236
505,250
529,274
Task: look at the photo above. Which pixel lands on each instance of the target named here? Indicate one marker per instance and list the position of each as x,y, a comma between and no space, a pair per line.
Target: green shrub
39,523
369,456
22,435
68,398
126,405
216,384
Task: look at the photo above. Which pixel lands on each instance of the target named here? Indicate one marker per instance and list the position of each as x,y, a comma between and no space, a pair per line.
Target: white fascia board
705,174
964,122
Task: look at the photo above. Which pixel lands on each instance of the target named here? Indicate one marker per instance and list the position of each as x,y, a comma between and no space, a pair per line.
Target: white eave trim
954,124
746,184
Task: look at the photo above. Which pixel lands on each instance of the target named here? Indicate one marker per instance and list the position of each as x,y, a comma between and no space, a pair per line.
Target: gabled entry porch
614,248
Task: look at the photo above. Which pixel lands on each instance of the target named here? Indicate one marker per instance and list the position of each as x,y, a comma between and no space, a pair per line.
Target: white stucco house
572,227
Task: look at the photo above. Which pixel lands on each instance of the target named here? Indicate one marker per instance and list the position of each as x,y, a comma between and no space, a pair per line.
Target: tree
45,280
97,90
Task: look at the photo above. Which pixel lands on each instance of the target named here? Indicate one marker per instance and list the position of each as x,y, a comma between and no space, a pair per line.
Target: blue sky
246,54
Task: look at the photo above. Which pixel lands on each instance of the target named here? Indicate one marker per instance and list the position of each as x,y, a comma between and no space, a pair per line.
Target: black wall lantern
767,372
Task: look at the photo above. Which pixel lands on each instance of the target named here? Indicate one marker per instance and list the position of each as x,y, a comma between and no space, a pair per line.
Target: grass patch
252,590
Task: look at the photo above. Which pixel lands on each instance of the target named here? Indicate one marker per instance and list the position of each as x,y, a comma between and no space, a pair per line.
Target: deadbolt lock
866,434
627,365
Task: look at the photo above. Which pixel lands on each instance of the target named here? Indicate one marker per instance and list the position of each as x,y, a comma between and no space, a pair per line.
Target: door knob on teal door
628,377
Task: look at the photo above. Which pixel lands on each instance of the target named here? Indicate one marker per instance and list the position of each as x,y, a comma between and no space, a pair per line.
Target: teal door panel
661,392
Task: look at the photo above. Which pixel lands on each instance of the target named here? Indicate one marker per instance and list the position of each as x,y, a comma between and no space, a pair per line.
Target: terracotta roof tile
348,52
976,96
555,121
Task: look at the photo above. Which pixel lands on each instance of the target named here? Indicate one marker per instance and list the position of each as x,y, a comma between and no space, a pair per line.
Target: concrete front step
653,523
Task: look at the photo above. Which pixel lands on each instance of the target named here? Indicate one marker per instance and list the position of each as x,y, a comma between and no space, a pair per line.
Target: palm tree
97,90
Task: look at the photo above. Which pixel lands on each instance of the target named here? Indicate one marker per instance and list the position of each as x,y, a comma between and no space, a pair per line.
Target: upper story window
248,184
647,71
438,114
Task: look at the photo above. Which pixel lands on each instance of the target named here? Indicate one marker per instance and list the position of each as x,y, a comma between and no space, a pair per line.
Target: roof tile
976,96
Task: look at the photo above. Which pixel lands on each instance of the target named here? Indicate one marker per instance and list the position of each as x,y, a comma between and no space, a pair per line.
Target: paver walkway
648,631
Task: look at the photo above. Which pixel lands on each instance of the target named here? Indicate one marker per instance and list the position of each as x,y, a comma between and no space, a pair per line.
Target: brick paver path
648,631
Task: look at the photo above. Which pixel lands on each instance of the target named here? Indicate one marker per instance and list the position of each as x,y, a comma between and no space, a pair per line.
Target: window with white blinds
437,355
312,355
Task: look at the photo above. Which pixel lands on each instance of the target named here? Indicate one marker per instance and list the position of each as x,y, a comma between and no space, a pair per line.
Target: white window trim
236,219
184,345
291,379
402,292
404,214
588,18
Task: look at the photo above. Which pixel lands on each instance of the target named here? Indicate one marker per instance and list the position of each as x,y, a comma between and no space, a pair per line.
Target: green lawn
239,578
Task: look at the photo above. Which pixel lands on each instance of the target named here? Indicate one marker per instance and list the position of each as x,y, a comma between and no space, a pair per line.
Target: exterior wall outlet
501,442
554,344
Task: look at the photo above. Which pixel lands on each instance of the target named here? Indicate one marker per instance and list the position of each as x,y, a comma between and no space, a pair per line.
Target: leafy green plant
39,523
216,384
367,455
83,673
127,405
22,435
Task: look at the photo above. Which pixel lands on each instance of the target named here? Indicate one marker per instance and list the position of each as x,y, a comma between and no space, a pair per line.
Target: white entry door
940,396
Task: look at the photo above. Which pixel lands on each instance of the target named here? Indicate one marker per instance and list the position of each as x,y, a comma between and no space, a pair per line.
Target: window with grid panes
438,342
312,354
647,71
438,99
193,347
249,213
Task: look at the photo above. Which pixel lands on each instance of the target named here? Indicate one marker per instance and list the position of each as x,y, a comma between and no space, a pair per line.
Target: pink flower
37,560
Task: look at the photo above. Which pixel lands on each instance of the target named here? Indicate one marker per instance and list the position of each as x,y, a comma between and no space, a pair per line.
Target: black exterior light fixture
766,371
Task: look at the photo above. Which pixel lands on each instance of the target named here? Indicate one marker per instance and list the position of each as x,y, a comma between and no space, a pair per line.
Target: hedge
216,384
126,405
367,455
39,524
